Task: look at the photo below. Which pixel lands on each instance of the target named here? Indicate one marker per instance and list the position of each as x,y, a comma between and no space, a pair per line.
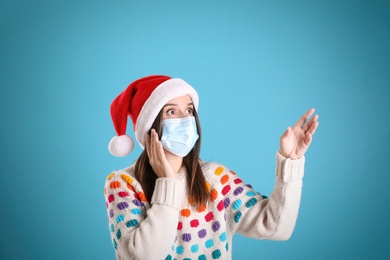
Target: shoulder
216,173
122,179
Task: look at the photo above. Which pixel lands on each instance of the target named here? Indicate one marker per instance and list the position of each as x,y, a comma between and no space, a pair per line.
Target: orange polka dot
202,208
130,187
110,175
185,213
224,179
219,171
127,178
115,184
233,172
142,196
213,195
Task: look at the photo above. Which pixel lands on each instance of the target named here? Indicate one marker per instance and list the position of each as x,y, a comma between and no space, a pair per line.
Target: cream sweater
169,227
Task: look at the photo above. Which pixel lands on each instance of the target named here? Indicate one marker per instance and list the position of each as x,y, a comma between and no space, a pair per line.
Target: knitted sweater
169,227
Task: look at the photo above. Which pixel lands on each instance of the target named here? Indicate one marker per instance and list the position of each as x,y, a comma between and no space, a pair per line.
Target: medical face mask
179,135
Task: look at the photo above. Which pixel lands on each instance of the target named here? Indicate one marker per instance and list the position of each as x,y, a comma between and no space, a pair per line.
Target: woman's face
178,107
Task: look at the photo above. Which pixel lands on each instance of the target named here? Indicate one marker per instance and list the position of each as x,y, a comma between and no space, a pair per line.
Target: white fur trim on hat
121,145
166,91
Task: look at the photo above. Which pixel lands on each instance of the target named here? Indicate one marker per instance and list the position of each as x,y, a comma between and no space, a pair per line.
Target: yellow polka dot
208,186
218,171
127,178
111,175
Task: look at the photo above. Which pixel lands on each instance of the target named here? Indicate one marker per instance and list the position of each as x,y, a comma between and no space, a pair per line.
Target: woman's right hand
157,158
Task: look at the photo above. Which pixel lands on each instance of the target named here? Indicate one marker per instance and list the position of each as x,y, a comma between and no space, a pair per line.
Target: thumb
286,133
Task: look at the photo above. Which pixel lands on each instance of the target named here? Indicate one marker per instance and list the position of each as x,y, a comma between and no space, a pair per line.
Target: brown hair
196,182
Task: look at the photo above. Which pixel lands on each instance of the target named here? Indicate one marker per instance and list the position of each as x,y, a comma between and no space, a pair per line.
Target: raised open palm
296,140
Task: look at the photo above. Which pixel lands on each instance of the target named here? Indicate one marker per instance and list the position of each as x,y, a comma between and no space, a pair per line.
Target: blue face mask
179,135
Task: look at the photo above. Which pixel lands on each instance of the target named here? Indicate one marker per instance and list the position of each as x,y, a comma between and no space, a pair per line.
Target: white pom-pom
121,145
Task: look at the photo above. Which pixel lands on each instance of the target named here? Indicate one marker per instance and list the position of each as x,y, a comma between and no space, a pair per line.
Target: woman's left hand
296,140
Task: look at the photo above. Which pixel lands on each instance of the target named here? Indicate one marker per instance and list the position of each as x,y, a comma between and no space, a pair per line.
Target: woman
172,205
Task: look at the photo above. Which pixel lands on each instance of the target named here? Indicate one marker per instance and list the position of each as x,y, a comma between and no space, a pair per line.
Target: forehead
182,100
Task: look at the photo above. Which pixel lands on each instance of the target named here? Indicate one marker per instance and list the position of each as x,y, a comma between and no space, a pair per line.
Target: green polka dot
118,234
237,216
202,257
251,202
216,254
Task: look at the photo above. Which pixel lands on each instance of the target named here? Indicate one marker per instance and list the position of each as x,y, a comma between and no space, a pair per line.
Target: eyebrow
172,104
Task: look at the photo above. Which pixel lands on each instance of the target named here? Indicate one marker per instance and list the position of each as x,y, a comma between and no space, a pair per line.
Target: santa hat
142,100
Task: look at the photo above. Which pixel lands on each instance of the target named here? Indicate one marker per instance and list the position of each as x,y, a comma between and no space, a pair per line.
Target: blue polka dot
120,218
216,254
227,246
194,248
180,250
114,243
264,197
112,227
250,193
118,234
251,202
136,211
209,243
222,237
237,204
169,257
237,216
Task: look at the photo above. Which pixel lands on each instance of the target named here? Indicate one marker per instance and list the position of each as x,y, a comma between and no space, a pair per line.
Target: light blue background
257,65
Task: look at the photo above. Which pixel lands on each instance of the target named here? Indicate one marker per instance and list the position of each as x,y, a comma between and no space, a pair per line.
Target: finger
304,118
147,143
308,125
285,134
312,129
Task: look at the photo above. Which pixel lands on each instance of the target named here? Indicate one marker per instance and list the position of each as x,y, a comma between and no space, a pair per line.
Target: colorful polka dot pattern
202,233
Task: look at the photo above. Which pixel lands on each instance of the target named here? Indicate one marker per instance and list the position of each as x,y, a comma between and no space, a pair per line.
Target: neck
175,161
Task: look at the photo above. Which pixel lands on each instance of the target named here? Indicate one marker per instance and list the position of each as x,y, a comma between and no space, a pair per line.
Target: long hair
198,194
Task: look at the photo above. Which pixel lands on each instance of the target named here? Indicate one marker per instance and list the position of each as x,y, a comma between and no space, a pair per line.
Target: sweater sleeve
274,218
137,230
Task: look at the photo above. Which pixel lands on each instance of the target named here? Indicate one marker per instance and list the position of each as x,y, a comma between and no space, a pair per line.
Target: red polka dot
111,198
209,216
237,181
194,223
123,194
225,190
179,225
220,206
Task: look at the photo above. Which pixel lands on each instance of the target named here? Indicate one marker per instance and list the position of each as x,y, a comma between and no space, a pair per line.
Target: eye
170,112
189,111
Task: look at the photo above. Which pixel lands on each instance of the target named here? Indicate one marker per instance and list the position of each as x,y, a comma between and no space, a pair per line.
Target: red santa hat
142,100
